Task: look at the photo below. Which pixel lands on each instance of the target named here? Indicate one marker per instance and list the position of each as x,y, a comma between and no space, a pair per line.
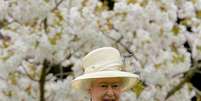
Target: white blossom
154,31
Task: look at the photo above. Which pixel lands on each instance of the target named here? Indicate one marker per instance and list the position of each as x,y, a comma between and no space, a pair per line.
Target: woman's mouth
108,100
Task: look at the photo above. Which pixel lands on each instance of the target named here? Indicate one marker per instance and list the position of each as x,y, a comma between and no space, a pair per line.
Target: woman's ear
90,86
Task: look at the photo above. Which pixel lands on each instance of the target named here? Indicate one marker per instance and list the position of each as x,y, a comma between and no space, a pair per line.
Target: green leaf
53,40
138,87
177,58
46,1
175,30
198,14
198,48
6,57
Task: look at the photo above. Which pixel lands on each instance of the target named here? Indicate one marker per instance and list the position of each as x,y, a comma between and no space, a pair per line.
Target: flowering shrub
42,43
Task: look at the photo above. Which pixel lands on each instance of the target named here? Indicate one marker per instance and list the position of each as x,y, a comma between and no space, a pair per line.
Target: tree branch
176,88
197,91
122,45
42,80
188,75
57,5
27,74
45,25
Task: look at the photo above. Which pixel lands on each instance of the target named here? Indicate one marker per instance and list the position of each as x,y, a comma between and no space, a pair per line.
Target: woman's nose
110,91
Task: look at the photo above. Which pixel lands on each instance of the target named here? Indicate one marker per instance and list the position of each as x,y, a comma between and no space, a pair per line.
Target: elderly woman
103,78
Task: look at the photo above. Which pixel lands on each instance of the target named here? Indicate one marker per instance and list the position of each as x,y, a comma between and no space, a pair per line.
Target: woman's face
106,89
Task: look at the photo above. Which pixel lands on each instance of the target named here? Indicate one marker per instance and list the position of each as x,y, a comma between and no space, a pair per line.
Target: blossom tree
42,43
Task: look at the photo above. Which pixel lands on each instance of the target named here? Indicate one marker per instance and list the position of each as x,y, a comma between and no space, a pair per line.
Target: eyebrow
108,82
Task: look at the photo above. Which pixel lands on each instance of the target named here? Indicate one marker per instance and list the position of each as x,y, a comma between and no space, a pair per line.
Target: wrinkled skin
106,89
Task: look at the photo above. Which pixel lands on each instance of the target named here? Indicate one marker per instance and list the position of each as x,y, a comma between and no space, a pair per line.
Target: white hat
103,63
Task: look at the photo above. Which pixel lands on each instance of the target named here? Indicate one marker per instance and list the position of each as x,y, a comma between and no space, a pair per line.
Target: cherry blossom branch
45,63
45,25
42,80
43,71
197,91
57,5
188,75
121,44
27,74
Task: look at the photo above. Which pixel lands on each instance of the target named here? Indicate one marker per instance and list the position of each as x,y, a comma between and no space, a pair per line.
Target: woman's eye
115,86
103,86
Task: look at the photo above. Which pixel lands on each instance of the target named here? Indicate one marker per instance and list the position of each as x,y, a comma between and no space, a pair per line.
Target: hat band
96,68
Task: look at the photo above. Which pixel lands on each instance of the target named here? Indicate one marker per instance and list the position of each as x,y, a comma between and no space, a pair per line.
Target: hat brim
130,79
